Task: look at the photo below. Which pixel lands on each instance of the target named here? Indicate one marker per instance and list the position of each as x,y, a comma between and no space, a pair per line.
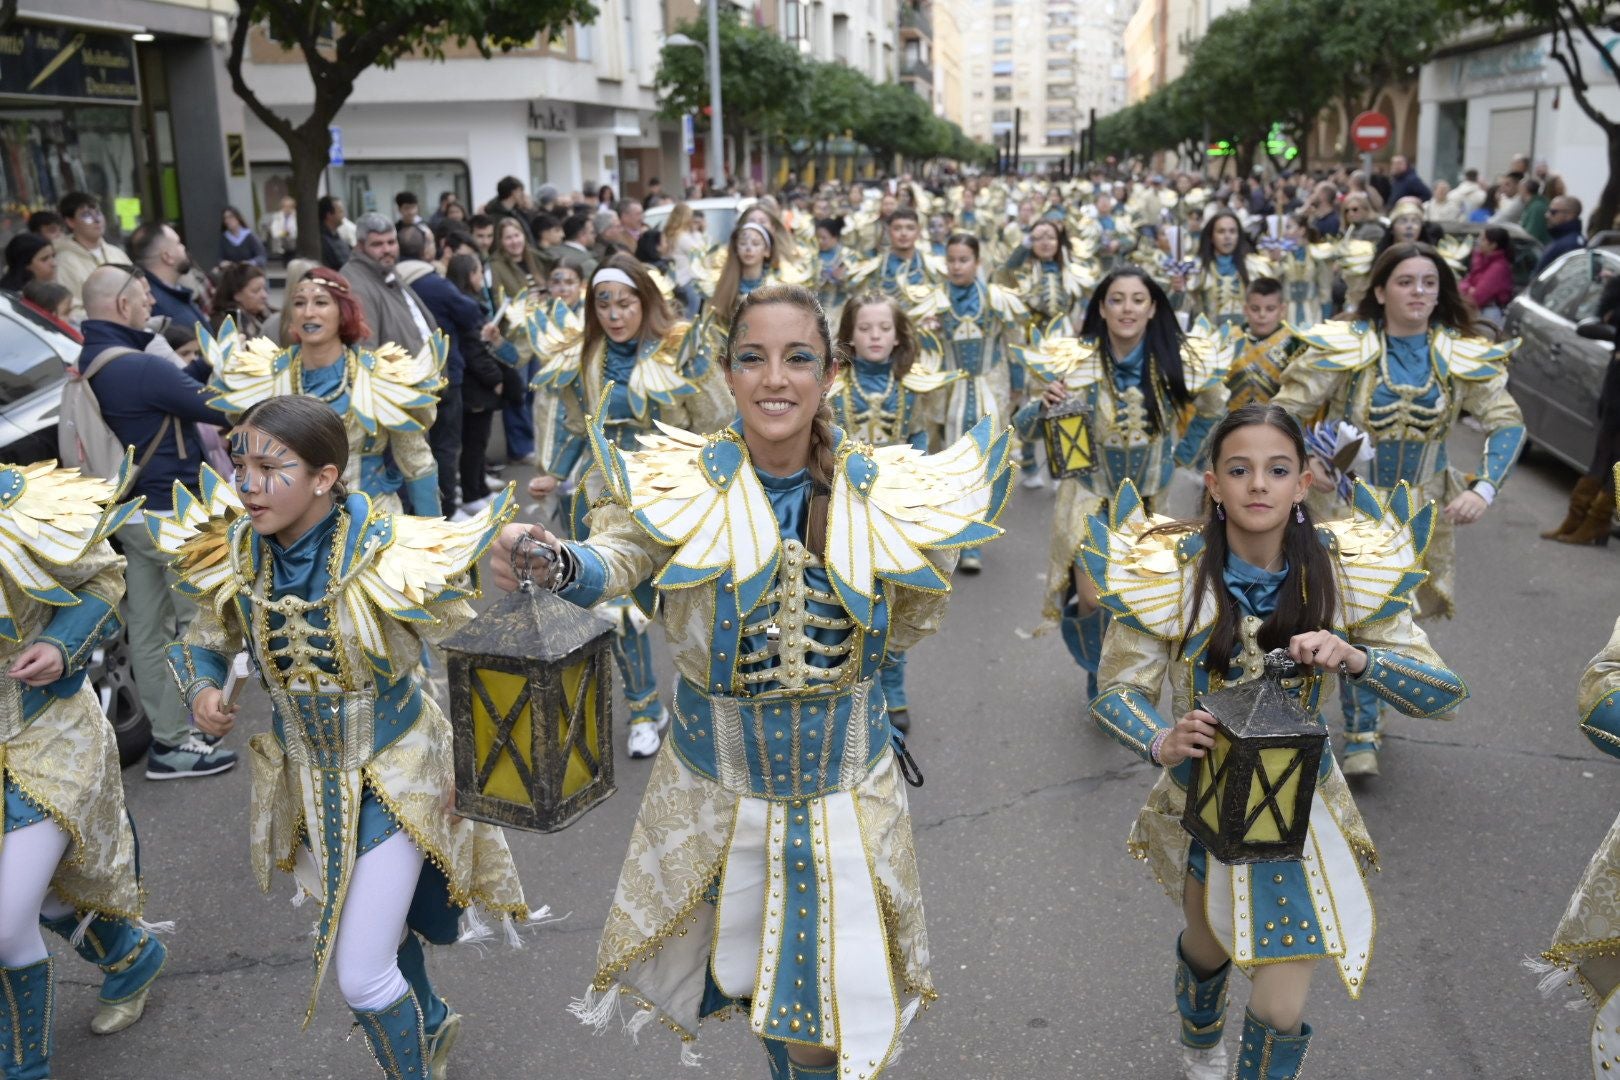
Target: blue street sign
334,156
688,136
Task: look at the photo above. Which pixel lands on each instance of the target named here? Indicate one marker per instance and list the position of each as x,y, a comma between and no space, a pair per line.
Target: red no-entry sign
1371,131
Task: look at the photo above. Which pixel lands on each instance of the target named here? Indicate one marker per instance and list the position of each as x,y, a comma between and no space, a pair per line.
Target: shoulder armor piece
1342,346
1473,359
1380,553
1140,568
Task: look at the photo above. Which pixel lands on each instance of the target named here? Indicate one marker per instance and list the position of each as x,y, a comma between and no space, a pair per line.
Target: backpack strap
107,356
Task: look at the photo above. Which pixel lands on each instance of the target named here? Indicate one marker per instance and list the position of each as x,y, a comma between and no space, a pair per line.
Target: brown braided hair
823,463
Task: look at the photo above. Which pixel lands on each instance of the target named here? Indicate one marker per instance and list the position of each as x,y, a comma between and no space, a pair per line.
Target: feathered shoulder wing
197,538
925,375
1076,362
1473,359
245,371
1380,552
657,375
49,519
1204,363
1005,303
892,504
1143,570
390,388
557,335
1341,346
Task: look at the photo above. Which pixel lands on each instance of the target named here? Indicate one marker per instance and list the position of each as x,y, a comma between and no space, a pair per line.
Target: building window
1003,22
1060,65
1059,91
1001,67
1056,118
537,163
1003,93
1003,46
840,40
1060,138
1001,116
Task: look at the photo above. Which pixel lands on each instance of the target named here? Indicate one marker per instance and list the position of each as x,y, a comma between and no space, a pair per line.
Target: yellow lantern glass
1067,431
531,711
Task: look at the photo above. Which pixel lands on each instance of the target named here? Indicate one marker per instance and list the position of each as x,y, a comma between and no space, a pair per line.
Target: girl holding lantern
352,790
631,340
1257,575
1411,362
772,869
1136,375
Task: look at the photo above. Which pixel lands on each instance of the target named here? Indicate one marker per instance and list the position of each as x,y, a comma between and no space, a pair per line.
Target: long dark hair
1308,596
1450,310
308,427
1163,374
1206,244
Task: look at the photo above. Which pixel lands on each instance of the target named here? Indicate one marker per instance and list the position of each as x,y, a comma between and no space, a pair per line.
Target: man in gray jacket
393,312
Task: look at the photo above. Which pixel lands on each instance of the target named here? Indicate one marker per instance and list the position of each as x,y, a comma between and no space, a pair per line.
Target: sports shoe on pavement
1034,480
970,563
1205,1064
646,736
192,758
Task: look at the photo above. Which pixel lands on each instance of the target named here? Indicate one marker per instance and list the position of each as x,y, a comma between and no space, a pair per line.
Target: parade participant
385,397
1582,951
1403,371
631,339
68,856
903,269
1303,262
1047,280
977,323
1257,352
837,263
773,507
890,393
1257,574
1137,373
352,787
1226,265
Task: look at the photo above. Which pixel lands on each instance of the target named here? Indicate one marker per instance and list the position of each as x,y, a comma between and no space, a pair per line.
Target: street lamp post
717,126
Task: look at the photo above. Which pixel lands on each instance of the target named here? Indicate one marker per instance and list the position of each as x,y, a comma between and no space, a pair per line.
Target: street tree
838,97
1576,30
340,39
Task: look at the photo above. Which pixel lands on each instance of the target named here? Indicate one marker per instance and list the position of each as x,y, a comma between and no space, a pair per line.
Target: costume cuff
1502,448
1485,490
1129,717
1190,450
423,493
1028,420
1602,723
77,630
196,668
1413,687
590,576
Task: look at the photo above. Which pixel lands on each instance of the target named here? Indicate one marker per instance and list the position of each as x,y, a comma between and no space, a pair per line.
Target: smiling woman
781,608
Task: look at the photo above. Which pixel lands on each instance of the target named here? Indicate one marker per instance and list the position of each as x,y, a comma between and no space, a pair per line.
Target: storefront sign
67,64
549,116
1521,66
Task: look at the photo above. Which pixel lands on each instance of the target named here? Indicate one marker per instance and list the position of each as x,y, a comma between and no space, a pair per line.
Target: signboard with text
64,63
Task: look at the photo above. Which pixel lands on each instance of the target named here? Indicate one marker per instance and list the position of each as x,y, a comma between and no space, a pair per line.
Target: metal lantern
531,706
1250,796
1067,429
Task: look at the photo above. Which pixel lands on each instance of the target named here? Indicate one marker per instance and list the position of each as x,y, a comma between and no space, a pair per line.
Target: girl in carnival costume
630,339
1403,371
837,264
1226,263
385,398
1139,375
977,322
335,601
772,869
68,852
1202,603
890,393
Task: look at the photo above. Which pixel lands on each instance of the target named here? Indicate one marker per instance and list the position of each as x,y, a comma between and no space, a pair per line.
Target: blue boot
1267,1054
26,1041
1202,1005
397,1040
129,958
1363,729
439,1024
1083,634
785,1068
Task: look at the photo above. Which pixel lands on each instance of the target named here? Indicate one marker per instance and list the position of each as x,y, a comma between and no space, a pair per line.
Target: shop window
537,164
55,149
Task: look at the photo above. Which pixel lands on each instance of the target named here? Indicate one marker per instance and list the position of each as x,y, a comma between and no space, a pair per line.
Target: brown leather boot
1580,501
1599,520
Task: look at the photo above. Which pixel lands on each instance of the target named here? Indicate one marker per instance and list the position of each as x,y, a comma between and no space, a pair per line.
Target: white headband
614,276
762,230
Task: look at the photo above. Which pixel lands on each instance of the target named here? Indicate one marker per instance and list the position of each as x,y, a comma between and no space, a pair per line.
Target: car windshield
27,363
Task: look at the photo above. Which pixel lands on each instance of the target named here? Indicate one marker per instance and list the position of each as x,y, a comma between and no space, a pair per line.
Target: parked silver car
1557,375
34,356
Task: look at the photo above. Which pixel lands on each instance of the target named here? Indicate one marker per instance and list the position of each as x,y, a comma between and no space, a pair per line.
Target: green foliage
760,75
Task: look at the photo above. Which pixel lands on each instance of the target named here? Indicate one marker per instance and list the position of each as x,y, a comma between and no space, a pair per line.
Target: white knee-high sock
365,955
28,859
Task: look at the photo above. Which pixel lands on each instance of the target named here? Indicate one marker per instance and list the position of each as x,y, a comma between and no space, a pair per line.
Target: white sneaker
646,736
1034,481
1210,1064
970,563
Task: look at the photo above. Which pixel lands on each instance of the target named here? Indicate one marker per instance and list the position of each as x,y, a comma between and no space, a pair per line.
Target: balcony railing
918,69
917,17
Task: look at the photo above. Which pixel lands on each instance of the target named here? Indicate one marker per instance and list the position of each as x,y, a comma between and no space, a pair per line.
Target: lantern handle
526,551
908,765
1279,665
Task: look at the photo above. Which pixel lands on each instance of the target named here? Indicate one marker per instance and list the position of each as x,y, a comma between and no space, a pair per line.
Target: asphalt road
1052,947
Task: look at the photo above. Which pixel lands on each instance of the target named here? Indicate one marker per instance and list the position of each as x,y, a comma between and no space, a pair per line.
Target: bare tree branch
233,64
1579,90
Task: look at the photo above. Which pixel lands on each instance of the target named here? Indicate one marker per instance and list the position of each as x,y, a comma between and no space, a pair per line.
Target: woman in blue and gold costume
352,788
1226,264
631,339
889,394
68,857
1202,603
1138,374
1049,279
386,398
780,610
1583,951
1410,363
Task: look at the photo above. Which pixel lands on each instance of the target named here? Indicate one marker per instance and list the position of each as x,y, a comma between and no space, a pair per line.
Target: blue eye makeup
750,358
804,358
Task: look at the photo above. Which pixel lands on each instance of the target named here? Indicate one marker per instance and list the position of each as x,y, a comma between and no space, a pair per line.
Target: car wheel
114,683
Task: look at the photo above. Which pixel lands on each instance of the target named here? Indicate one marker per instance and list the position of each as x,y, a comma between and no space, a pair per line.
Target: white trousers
365,956
28,860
